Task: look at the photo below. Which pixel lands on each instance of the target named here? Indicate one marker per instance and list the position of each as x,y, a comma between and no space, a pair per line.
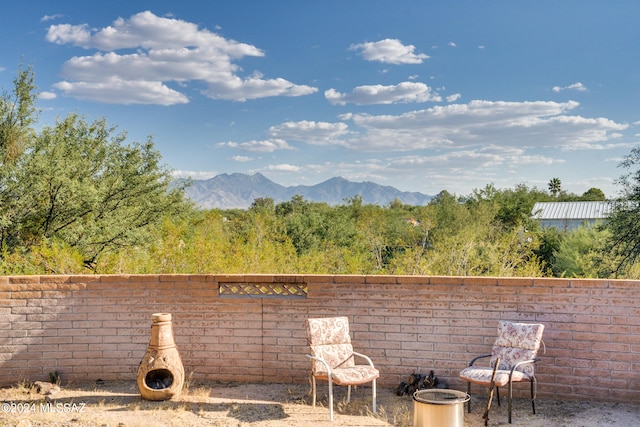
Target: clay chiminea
161,374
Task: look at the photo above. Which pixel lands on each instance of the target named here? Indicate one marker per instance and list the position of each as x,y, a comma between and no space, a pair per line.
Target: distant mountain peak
238,190
336,179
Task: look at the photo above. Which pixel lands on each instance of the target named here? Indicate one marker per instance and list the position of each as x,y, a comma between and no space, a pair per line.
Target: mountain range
238,190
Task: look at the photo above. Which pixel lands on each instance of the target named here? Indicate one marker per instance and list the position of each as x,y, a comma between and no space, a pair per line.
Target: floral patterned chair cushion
482,375
329,339
517,342
355,375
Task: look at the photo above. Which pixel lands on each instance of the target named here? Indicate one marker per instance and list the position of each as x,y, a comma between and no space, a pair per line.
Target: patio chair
332,358
516,348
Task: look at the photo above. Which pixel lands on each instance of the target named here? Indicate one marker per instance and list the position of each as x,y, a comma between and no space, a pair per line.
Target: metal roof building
570,215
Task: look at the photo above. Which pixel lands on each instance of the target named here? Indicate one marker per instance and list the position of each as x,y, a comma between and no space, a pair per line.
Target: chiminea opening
159,379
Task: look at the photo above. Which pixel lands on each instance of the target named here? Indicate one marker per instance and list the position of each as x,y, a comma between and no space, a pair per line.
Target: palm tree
555,186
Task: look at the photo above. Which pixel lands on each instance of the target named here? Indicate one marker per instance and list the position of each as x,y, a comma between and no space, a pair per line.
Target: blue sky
421,95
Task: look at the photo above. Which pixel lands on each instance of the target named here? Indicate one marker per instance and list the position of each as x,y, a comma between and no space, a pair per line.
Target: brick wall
91,327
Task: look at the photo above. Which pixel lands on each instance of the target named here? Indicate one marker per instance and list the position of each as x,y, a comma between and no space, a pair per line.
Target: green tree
579,253
17,116
89,189
593,195
265,203
624,222
75,186
449,214
512,207
555,187
550,239
305,222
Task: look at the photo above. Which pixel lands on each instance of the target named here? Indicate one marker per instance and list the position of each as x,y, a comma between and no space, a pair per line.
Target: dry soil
118,404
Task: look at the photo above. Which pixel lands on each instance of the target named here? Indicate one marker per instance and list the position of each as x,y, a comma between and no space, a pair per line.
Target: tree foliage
555,187
579,253
77,183
17,116
624,222
594,194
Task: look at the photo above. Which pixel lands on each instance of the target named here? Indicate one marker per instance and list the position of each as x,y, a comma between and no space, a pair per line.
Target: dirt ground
118,404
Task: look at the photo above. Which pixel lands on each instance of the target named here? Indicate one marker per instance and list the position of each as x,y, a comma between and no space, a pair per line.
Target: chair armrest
524,362
365,357
478,358
326,365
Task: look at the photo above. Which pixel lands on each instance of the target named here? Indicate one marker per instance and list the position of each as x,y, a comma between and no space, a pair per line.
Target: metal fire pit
439,407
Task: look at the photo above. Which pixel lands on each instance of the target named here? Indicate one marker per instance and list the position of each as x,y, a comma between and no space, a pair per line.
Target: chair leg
373,385
330,398
348,394
313,390
469,393
510,400
534,387
498,394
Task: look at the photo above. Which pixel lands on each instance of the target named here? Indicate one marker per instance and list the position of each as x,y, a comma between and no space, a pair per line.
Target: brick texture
90,327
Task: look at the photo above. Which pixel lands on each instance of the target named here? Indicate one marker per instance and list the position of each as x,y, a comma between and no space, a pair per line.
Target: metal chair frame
330,381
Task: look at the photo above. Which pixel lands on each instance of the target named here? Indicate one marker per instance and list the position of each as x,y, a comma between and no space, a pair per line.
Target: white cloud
166,50
389,51
310,132
575,86
454,97
595,146
284,167
193,174
452,44
148,31
47,95
124,91
488,157
404,92
46,18
263,146
78,35
516,124
241,159
236,89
